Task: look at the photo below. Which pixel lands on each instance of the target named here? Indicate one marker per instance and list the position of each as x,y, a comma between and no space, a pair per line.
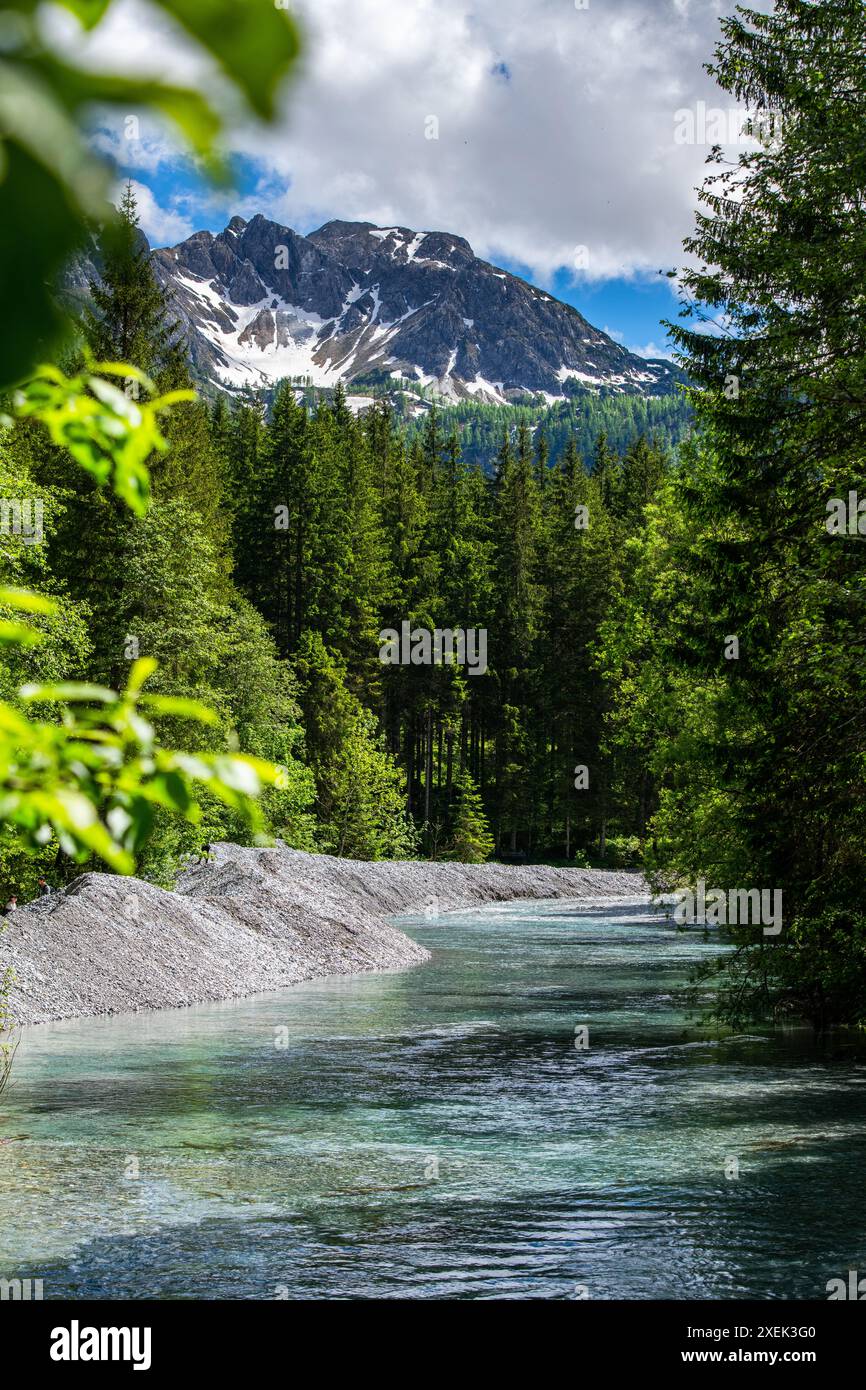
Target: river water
436,1133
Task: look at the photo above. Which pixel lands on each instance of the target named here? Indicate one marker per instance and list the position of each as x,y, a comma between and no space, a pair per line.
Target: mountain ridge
385,307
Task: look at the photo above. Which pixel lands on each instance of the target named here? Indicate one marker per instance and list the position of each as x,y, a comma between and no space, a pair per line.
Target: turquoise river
437,1133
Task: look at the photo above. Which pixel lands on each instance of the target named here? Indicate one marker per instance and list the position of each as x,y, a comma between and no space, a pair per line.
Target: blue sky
630,310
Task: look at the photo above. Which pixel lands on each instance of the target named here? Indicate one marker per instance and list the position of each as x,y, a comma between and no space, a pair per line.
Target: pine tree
643,468
128,318
605,468
361,803
517,535
471,841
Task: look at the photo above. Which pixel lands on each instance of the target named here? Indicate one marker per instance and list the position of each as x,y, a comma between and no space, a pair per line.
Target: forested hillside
372,533
579,420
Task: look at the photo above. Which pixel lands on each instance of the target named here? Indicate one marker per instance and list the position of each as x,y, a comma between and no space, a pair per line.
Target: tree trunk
428,763
410,764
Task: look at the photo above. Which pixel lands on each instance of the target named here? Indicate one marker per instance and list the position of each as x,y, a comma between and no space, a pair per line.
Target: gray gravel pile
244,921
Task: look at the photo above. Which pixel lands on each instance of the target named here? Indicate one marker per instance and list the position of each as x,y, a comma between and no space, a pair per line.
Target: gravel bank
246,921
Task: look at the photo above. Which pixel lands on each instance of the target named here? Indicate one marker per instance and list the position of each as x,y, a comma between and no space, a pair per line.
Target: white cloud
573,149
652,350
130,143
162,226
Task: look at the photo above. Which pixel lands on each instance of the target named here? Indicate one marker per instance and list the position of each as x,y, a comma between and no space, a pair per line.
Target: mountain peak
363,304
337,227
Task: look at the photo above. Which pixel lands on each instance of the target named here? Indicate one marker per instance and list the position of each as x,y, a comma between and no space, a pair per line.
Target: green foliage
361,800
153,584
364,802
93,777
471,841
578,421
373,532
758,760
255,44
623,852
108,433
126,318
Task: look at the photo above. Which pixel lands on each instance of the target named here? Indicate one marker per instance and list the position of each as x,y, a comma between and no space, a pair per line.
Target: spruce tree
471,841
517,537
128,317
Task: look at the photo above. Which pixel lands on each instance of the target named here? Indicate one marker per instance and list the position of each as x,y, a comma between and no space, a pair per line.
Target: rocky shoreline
246,921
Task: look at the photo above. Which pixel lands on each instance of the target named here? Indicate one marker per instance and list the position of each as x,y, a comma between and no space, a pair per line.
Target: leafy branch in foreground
109,432
95,776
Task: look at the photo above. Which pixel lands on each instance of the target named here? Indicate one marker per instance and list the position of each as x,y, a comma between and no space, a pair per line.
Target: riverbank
246,921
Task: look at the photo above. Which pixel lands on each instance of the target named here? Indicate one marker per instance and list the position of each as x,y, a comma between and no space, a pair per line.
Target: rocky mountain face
378,305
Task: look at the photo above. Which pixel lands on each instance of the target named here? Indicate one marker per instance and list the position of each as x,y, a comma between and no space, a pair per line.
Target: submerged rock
245,921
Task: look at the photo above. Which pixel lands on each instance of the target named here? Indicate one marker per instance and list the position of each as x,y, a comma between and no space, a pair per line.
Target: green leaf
88,12
13,722
194,117
37,213
72,813
173,398
121,369
132,485
18,635
97,839
253,41
104,430
68,691
140,671
238,774
266,772
141,823
116,400
32,119
169,789
182,708
26,601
